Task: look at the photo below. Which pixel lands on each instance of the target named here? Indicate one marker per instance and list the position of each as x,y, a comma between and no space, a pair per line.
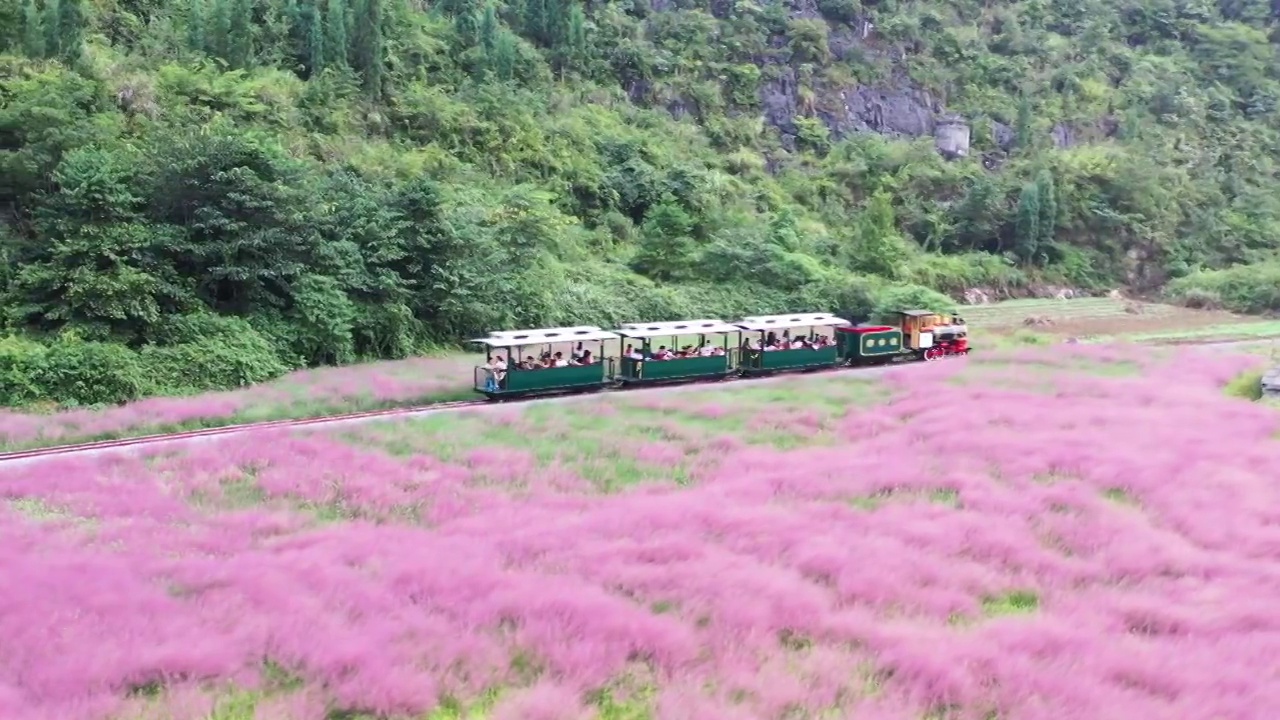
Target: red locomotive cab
952,338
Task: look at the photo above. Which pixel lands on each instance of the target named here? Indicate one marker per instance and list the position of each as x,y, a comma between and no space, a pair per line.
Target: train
705,350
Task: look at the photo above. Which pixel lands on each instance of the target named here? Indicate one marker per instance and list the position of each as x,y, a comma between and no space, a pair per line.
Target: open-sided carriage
510,368
641,364
760,330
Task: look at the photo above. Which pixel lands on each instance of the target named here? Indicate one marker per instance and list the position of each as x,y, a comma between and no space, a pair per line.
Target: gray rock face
1271,383
1003,135
898,112
951,137
893,111
1063,135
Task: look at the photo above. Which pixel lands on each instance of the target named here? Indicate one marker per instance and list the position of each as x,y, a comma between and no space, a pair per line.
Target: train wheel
934,353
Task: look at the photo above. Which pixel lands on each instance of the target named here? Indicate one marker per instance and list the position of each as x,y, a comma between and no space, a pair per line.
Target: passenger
529,363
717,351
495,371
558,360
707,349
586,358
663,353
576,356
633,354
771,339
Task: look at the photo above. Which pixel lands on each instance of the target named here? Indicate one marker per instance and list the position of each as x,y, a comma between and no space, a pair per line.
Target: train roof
676,327
769,322
918,313
512,338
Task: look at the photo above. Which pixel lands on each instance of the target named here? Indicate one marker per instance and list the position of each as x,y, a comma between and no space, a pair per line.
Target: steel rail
159,438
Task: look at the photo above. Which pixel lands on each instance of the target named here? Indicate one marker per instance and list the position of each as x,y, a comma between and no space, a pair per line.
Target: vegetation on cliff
204,193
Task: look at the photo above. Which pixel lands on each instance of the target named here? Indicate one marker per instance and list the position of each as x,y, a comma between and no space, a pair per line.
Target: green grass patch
1120,496
940,496
1246,386
1016,602
1224,331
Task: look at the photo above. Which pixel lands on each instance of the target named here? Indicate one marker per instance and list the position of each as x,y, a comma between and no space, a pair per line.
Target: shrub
1247,386
909,297
76,372
214,363
1243,288
20,362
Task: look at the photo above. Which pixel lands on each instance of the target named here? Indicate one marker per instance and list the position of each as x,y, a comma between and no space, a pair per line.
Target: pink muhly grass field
302,392
1061,545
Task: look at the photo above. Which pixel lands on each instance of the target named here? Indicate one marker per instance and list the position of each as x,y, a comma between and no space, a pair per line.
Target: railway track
97,446
356,417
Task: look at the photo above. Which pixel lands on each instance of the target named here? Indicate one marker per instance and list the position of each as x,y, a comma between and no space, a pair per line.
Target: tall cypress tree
367,50
195,26
217,36
296,35
576,40
240,33
32,30
1023,128
315,38
1048,196
466,24
535,19
489,28
503,61
52,40
335,41
1027,227
70,30
556,30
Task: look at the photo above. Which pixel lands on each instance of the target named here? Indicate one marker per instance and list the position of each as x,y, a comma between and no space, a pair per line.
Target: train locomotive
521,363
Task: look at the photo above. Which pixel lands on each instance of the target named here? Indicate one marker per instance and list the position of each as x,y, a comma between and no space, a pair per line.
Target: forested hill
201,193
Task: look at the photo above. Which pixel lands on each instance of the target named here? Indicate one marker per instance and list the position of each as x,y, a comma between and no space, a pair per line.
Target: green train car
587,358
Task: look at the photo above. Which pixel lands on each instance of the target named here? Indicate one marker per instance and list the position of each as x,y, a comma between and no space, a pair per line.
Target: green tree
1024,129
33,34
666,249
367,51
877,245
52,29
466,24
534,19
1027,232
240,29
195,26
218,32
315,38
335,41
1047,194
99,268
489,28
503,60
576,46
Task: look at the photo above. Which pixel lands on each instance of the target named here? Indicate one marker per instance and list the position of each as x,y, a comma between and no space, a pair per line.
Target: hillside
208,192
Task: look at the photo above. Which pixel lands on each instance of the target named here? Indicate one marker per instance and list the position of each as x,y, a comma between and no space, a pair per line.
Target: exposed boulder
951,137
